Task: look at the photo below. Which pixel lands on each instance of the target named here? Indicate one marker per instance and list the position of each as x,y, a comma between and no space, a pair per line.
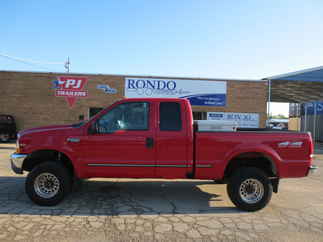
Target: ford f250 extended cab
157,138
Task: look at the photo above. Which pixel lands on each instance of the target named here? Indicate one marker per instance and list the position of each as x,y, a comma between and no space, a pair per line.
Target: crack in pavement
132,210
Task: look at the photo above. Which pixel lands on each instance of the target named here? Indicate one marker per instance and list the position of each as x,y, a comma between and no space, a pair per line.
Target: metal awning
297,87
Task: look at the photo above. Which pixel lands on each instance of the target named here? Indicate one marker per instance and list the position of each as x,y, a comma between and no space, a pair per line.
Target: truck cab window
126,116
170,116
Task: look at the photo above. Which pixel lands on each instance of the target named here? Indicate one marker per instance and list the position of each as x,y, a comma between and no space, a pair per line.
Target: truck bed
290,151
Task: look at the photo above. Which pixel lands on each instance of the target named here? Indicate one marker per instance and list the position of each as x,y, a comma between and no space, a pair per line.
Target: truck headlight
17,146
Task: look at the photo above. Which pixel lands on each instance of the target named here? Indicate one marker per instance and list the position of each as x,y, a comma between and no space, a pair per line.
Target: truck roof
156,99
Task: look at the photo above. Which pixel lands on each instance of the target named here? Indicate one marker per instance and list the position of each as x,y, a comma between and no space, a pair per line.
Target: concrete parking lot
159,210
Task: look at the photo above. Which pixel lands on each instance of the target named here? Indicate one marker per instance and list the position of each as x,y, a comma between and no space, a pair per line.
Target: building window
94,111
199,115
295,110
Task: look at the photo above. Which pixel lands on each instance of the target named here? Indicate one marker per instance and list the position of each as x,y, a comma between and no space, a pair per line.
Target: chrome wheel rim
251,191
46,185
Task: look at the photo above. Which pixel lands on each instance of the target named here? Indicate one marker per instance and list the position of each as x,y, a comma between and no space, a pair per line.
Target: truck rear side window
170,116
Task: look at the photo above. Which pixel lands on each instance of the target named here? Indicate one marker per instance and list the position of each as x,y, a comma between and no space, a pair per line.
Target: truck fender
265,150
67,152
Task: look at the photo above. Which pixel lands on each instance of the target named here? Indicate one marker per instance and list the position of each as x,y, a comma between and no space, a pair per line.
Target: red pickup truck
157,138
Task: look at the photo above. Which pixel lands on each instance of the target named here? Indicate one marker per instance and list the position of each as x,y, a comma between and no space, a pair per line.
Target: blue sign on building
312,108
198,92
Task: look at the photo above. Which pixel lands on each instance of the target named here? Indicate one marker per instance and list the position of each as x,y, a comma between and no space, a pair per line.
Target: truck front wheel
48,183
249,189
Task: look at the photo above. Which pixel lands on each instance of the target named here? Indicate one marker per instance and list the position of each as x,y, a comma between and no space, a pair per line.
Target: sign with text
243,120
198,92
313,108
71,88
106,88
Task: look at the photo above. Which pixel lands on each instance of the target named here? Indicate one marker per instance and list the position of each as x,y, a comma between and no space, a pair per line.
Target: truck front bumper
17,161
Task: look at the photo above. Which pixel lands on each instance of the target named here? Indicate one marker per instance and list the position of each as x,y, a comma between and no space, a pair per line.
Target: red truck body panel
217,149
173,154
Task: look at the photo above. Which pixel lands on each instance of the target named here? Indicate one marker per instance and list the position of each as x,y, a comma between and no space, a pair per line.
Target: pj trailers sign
199,93
71,88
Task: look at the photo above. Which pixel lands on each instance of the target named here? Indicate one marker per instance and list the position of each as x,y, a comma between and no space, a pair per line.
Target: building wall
312,123
30,98
244,97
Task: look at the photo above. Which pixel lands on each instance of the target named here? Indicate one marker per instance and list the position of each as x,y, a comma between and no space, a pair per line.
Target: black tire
77,184
58,171
240,176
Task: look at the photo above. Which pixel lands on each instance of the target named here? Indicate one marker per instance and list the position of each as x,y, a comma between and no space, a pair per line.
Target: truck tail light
311,144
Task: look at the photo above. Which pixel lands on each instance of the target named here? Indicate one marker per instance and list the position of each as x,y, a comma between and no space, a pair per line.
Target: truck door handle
73,140
149,142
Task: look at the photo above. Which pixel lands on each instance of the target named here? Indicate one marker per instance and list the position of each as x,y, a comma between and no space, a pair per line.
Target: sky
189,38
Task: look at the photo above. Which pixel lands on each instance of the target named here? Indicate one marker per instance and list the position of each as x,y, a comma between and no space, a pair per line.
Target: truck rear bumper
17,161
312,169
295,169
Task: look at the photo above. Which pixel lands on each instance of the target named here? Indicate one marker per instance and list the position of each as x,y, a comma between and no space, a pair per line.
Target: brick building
30,96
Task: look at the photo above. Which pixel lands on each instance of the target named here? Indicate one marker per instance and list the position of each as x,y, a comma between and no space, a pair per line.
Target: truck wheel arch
39,156
252,159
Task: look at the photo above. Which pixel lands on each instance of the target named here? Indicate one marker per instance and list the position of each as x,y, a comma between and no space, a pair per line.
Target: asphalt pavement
159,210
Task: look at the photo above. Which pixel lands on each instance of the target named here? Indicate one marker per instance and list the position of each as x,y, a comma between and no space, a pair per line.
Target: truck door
172,141
122,145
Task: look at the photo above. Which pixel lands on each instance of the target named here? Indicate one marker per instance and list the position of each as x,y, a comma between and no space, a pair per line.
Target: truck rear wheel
48,183
249,189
